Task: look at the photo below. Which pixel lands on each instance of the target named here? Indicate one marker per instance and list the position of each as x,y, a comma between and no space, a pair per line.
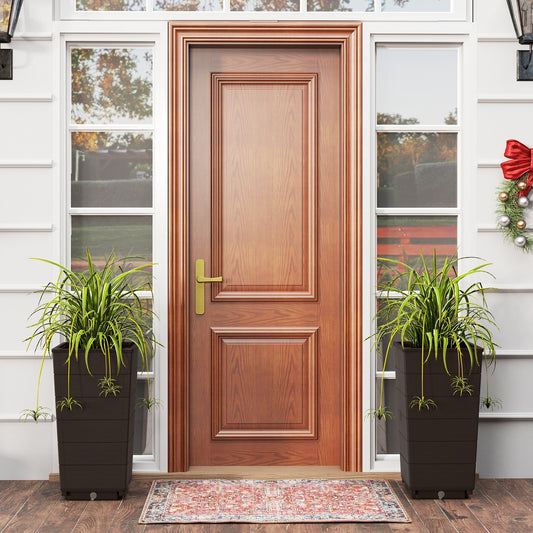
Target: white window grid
73,127
460,10
390,375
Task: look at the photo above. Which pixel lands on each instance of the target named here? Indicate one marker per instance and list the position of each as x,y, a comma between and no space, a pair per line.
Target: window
444,9
417,127
110,140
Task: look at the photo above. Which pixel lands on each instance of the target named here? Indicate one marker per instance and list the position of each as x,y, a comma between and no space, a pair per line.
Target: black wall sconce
9,15
522,16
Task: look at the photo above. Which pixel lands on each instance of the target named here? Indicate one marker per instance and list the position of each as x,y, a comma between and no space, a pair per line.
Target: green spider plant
97,308
437,309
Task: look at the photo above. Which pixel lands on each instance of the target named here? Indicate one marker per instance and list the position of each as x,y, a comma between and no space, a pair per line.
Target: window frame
154,37
465,46
460,11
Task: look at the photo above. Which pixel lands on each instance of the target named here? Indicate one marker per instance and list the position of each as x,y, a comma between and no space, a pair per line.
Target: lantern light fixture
9,15
522,16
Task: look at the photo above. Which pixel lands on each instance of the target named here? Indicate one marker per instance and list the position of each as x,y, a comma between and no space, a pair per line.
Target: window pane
4,15
111,169
380,350
127,236
404,238
416,5
265,5
143,433
340,5
111,5
416,85
188,5
387,430
417,169
111,85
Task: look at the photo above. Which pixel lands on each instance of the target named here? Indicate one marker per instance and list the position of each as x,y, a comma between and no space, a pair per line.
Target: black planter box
95,443
437,446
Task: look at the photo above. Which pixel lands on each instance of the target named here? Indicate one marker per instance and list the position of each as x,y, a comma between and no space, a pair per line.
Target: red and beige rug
292,500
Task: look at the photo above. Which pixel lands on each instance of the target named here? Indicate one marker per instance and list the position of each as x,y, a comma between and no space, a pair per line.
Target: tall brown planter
437,446
95,443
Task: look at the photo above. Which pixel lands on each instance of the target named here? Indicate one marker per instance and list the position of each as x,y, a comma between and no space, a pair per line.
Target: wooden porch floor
497,506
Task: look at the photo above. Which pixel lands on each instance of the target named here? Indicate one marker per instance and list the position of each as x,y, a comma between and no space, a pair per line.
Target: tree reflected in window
111,85
111,5
263,5
188,5
4,15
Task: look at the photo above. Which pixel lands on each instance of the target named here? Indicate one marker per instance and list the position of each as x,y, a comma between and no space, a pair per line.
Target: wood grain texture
64,516
263,200
34,511
264,191
15,499
345,38
492,502
96,518
434,516
126,519
264,383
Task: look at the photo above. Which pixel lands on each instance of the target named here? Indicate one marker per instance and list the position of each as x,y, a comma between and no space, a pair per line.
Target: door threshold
260,472
266,472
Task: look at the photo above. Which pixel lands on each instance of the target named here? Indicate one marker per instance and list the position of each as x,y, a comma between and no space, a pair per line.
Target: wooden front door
266,174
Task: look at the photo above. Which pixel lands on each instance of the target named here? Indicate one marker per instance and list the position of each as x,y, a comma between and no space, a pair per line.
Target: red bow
521,162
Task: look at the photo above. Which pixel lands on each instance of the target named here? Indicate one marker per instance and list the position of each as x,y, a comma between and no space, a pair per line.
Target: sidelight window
111,145
417,140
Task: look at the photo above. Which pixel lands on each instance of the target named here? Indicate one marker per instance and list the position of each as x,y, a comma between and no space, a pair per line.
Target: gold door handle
199,281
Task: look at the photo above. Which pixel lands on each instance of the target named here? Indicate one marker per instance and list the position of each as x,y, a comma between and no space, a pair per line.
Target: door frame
347,37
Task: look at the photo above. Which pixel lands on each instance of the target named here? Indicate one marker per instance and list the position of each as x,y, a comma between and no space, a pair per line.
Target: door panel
266,214
264,228
264,383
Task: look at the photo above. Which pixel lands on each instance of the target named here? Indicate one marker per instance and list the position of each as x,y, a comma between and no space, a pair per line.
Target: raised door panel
264,383
264,186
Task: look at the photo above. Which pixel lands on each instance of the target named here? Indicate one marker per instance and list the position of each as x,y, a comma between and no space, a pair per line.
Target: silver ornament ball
504,221
523,201
520,241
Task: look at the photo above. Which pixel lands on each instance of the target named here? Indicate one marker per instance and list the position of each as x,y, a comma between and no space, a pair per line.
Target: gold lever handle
199,281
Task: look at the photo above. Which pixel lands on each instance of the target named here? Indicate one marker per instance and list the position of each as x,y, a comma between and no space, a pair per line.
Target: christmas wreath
513,194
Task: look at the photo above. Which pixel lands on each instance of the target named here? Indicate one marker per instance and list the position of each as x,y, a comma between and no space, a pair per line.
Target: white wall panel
504,111
497,70
36,16
32,69
510,265
504,449
488,180
15,309
26,197
20,247
27,450
511,312
498,122
18,381
492,16
30,130
516,371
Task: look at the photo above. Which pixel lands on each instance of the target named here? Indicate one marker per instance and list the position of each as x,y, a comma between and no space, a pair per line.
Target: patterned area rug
293,500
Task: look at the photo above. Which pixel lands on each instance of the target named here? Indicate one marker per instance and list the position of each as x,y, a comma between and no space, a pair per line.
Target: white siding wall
31,225
504,111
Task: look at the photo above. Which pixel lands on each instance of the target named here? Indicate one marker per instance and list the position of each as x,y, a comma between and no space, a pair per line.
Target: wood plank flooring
496,506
